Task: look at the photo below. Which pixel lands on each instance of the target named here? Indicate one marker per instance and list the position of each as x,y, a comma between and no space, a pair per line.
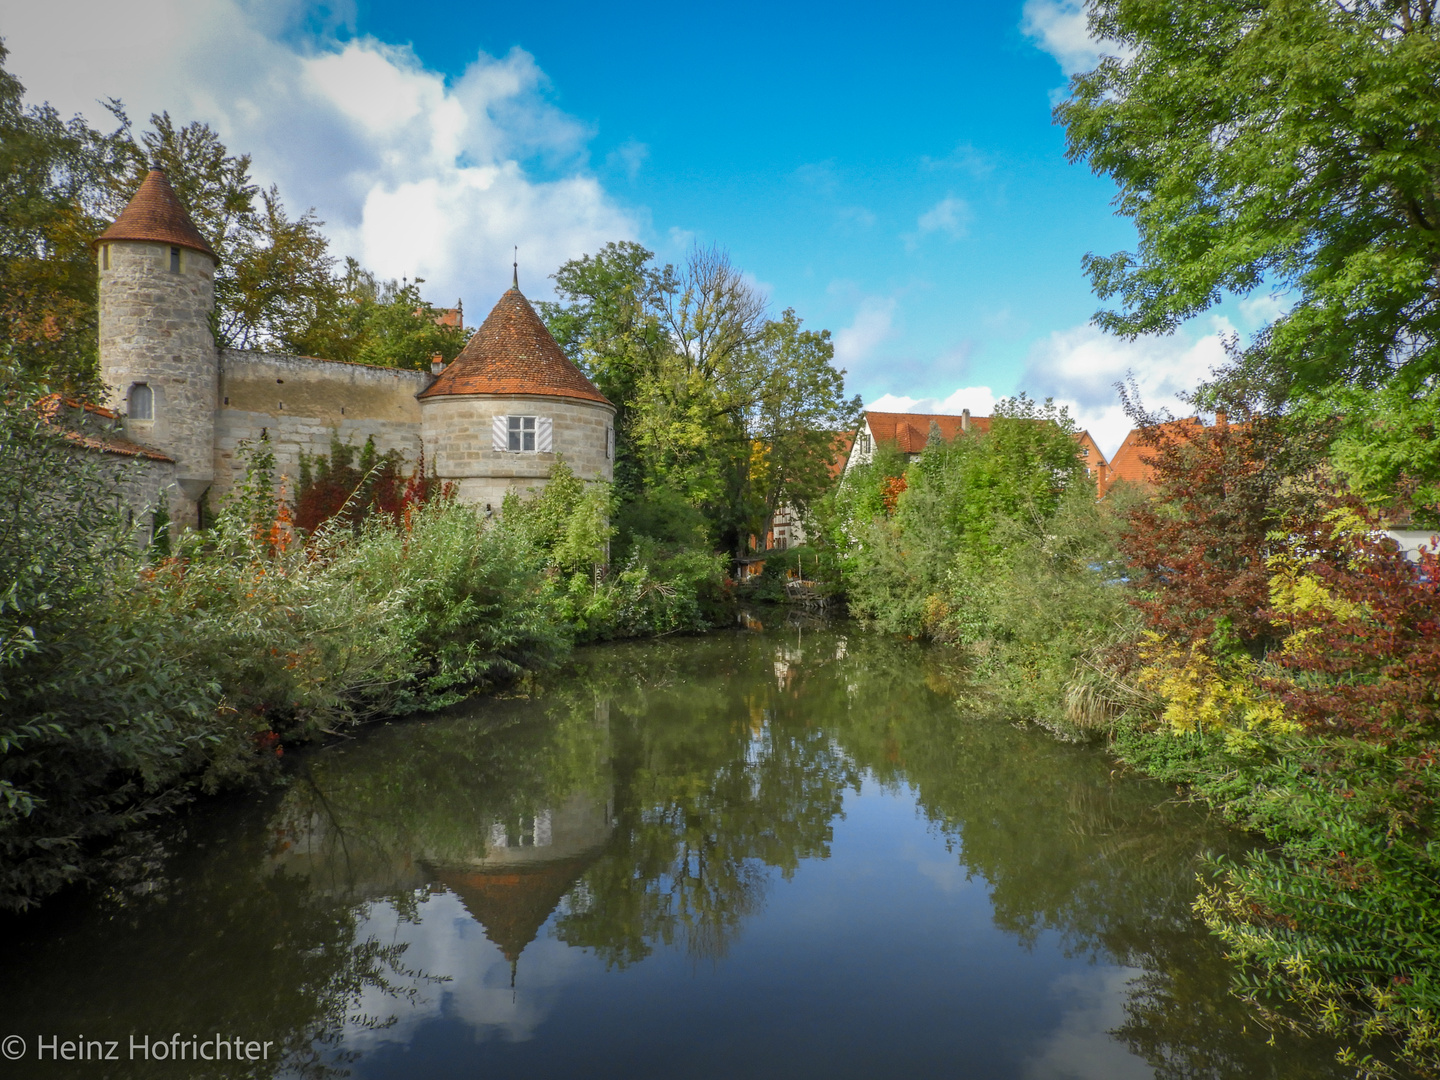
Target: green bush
101,720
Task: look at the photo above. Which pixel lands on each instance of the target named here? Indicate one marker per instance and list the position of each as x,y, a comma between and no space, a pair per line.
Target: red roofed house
497,419
1131,462
910,432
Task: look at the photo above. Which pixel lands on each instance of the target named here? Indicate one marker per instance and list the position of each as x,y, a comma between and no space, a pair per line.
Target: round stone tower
512,402
157,349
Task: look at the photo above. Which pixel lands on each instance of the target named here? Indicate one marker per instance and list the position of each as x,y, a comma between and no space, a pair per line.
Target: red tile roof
1132,462
908,432
843,442
513,353
52,408
155,214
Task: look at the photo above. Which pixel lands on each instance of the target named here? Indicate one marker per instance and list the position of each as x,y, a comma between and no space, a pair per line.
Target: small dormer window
174,260
142,402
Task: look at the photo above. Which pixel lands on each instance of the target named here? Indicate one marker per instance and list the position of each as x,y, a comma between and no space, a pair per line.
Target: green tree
275,282
1286,144
53,186
691,426
795,422
608,320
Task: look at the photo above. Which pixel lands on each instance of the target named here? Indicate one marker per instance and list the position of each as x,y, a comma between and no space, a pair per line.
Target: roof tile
513,353
155,214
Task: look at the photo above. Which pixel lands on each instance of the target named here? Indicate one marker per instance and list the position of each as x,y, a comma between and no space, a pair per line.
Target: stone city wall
460,430
302,402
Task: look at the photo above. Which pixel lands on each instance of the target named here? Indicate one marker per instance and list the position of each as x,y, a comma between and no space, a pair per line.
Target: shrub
99,723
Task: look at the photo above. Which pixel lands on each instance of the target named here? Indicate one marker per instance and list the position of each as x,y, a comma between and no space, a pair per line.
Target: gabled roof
155,214
909,432
512,903
513,353
843,442
1132,462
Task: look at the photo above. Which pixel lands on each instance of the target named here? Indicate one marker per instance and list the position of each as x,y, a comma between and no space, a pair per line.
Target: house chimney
1221,419
437,364
965,420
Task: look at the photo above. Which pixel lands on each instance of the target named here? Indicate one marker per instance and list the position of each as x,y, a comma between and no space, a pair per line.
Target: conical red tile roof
513,353
155,214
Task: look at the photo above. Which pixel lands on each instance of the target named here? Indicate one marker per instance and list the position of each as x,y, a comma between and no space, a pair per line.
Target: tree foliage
721,410
1283,144
54,178
276,284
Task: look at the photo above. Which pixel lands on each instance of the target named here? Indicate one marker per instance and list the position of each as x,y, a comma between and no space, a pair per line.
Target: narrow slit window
142,402
174,260
522,433
104,256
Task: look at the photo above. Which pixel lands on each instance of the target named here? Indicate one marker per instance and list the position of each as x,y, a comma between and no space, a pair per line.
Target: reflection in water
777,852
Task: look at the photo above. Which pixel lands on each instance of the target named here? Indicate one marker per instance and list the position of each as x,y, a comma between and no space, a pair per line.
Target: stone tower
157,349
512,402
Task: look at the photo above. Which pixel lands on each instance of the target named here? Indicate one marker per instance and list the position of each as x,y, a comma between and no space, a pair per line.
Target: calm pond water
782,853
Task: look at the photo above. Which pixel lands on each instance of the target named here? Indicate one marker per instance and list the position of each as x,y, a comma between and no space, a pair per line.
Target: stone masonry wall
155,329
459,429
302,402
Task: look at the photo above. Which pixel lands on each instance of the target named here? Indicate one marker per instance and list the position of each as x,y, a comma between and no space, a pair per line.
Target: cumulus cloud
414,173
950,216
1264,308
1059,28
980,400
873,325
1079,367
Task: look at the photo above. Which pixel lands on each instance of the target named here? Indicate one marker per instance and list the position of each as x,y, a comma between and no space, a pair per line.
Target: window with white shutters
524,434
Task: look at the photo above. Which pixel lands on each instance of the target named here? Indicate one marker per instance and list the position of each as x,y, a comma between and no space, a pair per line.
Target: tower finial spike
515,270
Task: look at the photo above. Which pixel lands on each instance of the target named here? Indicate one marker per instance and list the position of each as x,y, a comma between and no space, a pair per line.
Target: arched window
142,402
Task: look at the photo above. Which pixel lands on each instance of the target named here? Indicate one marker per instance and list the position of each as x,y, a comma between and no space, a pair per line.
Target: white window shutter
545,435
500,431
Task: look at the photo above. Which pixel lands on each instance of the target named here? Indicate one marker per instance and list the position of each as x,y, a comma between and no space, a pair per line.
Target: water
781,853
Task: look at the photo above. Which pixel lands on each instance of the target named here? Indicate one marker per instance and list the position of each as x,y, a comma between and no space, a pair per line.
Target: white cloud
1079,367
1264,308
950,216
980,400
629,157
681,240
1059,28
857,215
964,158
873,325
414,174
1082,1047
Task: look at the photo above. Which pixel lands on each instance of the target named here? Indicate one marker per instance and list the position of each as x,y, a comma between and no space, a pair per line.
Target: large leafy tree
1290,144
721,409
275,282
798,414
608,320
53,187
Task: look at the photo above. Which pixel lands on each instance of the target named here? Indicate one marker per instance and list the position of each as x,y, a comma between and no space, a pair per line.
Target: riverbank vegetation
131,678
1245,628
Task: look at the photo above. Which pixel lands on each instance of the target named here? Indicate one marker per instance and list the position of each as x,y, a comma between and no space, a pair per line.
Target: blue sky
891,173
